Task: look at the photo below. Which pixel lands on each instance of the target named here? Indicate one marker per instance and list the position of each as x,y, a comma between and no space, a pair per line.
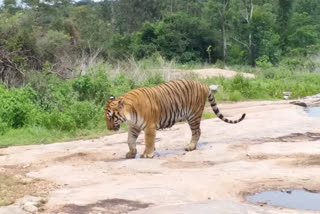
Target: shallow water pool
295,198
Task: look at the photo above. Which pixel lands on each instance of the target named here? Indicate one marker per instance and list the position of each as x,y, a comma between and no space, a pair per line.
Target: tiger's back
168,103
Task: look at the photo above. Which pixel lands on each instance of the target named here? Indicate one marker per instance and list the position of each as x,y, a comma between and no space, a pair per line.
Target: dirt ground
214,72
277,146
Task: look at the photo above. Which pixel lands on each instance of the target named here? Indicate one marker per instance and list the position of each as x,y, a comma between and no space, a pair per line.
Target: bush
52,43
263,62
94,86
61,121
15,105
241,84
3,127
82,113
235,96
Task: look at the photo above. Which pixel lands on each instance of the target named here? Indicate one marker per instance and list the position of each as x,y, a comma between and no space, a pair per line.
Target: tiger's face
113,114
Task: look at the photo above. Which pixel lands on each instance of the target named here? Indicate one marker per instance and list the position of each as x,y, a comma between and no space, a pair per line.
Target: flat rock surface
277,146
215,72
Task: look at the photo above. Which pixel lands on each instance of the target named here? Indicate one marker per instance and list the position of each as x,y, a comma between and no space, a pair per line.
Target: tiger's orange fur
159,107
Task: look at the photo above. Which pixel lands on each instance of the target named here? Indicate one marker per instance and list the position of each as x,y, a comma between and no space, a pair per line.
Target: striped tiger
159,107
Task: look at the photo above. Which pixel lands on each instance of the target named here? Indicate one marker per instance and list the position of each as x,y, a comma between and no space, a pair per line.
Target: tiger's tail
217,112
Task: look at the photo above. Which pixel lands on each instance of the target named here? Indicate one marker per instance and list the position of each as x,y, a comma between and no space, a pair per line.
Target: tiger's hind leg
194,123
133,134
150,135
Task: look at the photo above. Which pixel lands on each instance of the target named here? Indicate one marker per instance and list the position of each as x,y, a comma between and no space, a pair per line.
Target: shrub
52,43
3,127
263,62
241,84
82,113
235,96
15,104
61,121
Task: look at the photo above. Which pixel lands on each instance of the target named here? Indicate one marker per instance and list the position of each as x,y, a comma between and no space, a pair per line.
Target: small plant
235,96
263,62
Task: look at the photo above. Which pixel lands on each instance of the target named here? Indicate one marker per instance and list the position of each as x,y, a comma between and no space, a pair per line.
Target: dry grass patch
13,187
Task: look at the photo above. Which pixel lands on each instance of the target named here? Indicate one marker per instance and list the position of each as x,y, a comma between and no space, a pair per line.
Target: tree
190,7
265,41
283,16
129,15
302,33
216,13
242,12
178,36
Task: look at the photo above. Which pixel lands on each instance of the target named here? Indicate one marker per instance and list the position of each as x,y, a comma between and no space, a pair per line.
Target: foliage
61,31
178,36
14,106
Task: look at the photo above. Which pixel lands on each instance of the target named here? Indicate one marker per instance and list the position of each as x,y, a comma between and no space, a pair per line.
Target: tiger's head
113,113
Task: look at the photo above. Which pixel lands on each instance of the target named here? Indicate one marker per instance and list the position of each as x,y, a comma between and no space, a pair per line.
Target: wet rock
308,101
299,103
30,207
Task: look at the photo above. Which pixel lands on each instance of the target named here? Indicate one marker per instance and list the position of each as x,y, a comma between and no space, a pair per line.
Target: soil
215,72
277,146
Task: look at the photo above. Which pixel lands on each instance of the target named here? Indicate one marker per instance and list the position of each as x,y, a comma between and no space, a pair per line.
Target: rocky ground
277,146
213,72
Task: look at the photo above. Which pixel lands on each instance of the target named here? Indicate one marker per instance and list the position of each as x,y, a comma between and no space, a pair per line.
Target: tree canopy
35,33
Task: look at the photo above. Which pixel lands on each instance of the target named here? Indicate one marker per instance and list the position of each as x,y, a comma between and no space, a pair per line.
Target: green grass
41,135
208,115
268,85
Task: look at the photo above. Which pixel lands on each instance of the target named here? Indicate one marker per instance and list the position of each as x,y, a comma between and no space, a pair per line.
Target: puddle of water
313,111
296,199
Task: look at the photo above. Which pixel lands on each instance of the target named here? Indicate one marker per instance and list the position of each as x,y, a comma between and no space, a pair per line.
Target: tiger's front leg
133,134
150,135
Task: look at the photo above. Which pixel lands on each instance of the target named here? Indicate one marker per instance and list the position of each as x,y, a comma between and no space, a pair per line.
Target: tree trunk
224,36
223,30
252,61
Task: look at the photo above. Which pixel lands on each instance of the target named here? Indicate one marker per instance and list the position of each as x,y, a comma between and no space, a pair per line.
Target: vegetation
61,60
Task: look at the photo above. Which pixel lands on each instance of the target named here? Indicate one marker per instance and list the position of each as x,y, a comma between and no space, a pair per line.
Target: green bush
94,86
241,84
52,43
15,105
82,113
236,96
61,121
3,127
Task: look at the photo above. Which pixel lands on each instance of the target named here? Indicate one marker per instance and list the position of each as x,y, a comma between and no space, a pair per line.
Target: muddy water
296,199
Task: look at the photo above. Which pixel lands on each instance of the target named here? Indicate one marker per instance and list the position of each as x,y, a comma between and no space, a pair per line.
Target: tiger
152,108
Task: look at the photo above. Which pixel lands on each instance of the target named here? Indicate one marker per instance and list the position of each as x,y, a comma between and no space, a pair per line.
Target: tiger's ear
111,97
121,103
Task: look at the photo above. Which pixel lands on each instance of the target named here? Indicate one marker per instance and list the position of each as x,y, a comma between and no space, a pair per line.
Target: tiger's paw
145,155
130,155
190,147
